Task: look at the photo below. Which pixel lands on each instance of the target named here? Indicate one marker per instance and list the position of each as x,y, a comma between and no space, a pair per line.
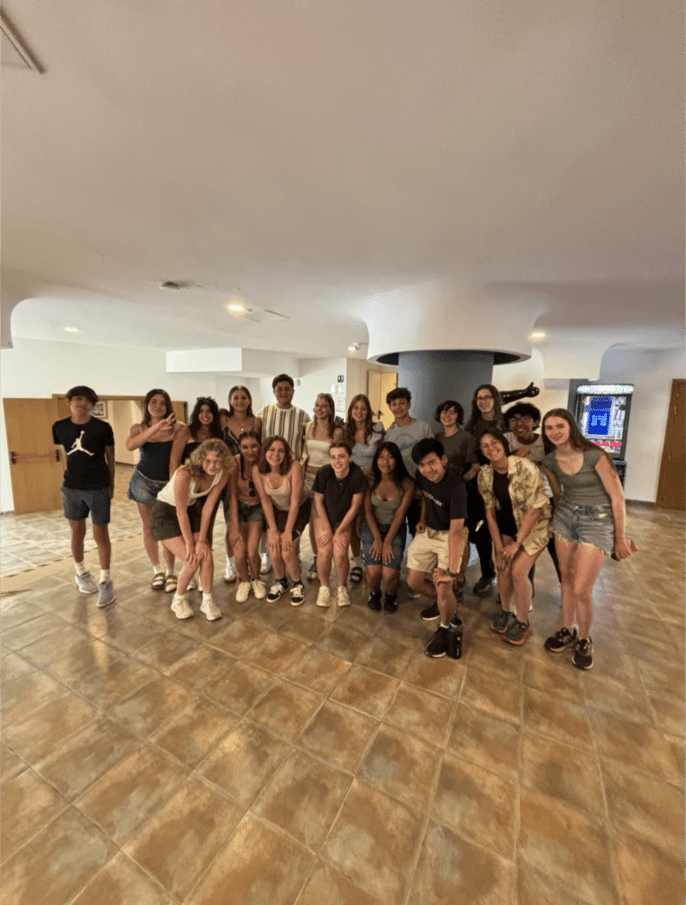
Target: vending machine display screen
602,420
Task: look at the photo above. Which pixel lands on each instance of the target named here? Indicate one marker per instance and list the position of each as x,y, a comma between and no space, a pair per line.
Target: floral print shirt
526,492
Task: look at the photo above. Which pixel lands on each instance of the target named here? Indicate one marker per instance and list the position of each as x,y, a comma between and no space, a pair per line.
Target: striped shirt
286,423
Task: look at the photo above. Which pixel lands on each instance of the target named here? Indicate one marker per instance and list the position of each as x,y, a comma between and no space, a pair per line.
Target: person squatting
510,482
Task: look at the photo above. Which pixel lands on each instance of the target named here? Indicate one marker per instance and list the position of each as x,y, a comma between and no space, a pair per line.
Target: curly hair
524,410
350,428
215,427
147,417
194,463
263,466
446,406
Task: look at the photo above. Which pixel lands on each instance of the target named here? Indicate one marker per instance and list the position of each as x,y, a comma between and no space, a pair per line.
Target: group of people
497,482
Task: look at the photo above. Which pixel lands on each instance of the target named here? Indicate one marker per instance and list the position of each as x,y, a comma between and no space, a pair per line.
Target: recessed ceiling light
355,347
72,329
236,307
537,334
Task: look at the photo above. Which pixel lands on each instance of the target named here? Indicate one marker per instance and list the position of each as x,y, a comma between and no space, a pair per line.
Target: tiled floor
315,757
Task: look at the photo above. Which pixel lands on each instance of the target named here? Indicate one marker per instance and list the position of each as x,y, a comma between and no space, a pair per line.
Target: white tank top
166,495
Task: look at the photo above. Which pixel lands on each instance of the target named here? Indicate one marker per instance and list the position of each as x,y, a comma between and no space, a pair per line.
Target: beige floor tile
82,659
304,626
180,841
365,690
96,748
11,764
645,807
201,666
56,863
341,641
193,733
388,656
317,670
658,678
149,708
260,866
121,882
421,714
303,798
633,744
374,842
647,874
242,763
545,674
494,695
478,804
402,766
561,842
326,884
34,737
669,713
236,637
23,695
128,794
339,735
492,656
28,804
29,632
563,773
539,889
111,683
604,693
484,739
165,650
452,869
275,653
240,688
132,635
42,653
19,613
286,709
556,718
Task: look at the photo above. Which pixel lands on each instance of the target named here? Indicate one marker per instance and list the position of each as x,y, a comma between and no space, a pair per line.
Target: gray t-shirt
406,438
460,450
585,488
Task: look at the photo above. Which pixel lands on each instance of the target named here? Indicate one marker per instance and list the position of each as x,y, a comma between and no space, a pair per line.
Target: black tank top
154,460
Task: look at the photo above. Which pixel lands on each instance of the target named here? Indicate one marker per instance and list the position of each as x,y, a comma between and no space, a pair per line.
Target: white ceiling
311,154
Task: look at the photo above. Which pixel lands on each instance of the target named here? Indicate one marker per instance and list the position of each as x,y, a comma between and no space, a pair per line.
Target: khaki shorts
430,550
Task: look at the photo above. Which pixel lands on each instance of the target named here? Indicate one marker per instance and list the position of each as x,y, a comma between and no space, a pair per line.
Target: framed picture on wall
99,410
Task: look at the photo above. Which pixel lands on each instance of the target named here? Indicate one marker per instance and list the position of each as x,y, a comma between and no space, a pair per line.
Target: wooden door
671,489
35,471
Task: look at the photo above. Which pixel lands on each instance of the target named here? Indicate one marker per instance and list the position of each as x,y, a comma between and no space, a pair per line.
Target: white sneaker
192,584
343,596
312,571
259,589
243,591
413,595
181,608
324,597
86,583
230,574
106,595
210,608
266,565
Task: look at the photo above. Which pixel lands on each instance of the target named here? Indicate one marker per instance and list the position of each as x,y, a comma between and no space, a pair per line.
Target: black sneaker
390,603
431,612
438,646
583,654
502,622
483,585
374,601
277,590
561,640
455,635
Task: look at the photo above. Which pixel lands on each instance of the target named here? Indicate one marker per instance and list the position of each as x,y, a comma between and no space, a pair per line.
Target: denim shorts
78,503
397,546
585,525
143,490
247,513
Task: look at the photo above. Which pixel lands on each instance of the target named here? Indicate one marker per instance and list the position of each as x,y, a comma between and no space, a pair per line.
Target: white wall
35,369
652,374
252,384
520,374
319,375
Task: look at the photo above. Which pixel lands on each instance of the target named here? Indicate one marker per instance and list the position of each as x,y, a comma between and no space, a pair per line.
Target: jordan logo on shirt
77,447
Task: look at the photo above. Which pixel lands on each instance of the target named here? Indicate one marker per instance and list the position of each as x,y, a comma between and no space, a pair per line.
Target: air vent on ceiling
13,50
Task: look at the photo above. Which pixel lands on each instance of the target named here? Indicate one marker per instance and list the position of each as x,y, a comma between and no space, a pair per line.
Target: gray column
435,376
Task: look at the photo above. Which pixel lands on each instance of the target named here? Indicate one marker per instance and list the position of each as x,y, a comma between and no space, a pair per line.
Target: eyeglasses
483,398
251,488
519,418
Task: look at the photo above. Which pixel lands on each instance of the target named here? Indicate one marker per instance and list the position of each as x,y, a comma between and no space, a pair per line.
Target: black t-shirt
504,516
85,447
339,492
445,501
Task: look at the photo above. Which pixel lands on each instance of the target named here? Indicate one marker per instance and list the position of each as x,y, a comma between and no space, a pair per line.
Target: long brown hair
476,414
263,466
247,392
576,438
147,417
328,398
350,428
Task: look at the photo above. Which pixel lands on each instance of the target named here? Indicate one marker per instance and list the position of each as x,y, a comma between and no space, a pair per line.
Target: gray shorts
79,503
164,521
585,525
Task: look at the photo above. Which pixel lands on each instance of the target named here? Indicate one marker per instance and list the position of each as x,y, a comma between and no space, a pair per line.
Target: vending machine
602,413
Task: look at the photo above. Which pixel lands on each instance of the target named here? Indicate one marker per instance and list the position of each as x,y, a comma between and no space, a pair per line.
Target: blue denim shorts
397,546
78,503
247,513
585,525
143,490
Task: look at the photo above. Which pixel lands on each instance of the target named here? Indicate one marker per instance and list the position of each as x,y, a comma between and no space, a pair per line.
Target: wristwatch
452,574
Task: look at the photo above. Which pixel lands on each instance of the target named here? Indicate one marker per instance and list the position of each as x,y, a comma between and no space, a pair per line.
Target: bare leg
254,533
418,582
588,562
374,578
566,556
177,547
241,553
292,561
149,542
519,574
324,558
447,603
101,536
78,535
341,545
391,578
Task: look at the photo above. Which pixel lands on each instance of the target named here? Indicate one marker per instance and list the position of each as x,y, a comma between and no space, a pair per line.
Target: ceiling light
72,329
355,347
537,334
236,307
